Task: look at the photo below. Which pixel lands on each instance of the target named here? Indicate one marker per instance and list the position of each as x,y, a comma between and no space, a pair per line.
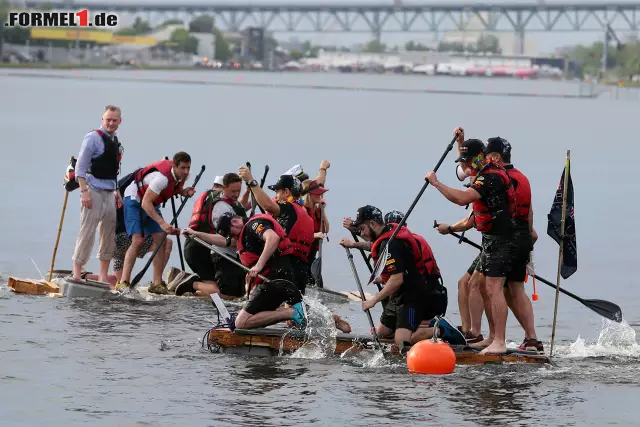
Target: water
67,362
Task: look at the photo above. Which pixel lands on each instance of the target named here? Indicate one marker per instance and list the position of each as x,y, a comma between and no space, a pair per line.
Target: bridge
388,17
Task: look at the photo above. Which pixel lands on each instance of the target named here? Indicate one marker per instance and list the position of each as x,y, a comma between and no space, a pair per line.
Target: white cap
295,171
218,180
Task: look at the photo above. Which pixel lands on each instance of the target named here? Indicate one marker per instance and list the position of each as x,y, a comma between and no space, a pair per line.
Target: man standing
493,199
153,185
97,174
499,150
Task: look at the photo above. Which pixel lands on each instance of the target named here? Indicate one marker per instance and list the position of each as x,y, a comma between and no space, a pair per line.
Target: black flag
570,250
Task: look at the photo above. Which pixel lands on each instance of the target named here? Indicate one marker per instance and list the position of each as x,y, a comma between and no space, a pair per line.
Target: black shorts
228,276
280,289
474,264
408,312
497,255
522,249
199,259
301,273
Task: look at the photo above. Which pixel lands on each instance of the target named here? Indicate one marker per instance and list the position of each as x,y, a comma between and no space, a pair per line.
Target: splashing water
615,340
321,332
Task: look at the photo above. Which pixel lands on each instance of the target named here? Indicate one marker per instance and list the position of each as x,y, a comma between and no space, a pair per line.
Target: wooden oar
364,298
383,255
604,308
140,275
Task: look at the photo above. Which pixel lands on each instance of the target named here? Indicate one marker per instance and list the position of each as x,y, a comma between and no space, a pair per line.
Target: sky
545,42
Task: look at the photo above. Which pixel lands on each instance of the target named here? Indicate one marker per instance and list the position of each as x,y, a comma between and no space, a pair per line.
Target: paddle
355,275
254,203
316,265
173,209
604,308
173,222
383,255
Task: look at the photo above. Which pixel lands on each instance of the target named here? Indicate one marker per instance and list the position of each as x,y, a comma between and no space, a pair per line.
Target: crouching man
265,249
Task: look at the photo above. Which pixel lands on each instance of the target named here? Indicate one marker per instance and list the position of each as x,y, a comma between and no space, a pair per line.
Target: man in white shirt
153,185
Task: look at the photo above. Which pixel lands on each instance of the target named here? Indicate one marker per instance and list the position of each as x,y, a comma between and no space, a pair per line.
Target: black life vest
107,164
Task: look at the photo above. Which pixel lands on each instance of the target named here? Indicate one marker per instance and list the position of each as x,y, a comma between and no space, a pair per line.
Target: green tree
413,46
170,22
4,13
488,43
138,28
202,24
223,51
184,42
374,46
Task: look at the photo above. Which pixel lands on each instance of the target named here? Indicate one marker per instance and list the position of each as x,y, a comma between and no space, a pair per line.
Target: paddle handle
140,275
363,297
55,247
225,256
403,221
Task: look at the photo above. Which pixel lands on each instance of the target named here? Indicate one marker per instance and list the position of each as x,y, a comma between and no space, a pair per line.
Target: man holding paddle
412,298
494,206
153,185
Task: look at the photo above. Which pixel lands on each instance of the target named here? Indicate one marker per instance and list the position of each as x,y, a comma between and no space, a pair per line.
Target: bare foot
495,348
484,343
341,324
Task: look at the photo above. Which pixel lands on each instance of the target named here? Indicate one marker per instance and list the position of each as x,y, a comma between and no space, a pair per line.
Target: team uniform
268,296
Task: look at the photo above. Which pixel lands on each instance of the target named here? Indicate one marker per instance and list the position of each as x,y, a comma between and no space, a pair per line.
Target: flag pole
567,167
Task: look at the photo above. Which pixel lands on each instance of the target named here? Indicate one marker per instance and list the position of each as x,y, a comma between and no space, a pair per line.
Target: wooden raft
32,287
293,339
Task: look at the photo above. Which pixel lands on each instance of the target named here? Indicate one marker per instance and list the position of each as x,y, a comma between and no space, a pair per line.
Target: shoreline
70,66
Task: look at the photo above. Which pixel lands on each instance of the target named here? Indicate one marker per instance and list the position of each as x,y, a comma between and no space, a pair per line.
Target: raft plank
32,287
293,339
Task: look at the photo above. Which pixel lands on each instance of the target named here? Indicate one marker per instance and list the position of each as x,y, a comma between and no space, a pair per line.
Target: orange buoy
434,358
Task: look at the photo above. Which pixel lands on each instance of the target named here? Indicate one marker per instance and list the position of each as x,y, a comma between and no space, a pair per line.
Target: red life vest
301,234
403,234
428,260
202,214
164,167
523,194
248,258
201,218
484,215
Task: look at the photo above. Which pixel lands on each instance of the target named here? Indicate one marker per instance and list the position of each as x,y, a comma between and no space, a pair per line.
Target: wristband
228,239
450,230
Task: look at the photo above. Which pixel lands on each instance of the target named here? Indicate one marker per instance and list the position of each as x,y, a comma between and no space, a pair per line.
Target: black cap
498,145
223,226
393,217
368,213
287,182
469,149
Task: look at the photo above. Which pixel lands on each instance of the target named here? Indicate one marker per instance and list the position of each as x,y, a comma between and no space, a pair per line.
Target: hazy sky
546,42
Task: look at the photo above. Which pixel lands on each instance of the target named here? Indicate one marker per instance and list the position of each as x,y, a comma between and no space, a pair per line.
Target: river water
106,362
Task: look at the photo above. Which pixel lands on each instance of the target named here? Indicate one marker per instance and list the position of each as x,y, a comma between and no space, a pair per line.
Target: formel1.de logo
81,18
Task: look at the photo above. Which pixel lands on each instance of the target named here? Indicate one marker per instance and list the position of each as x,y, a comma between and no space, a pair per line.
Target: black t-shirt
493,192
287,217
400,260
253,235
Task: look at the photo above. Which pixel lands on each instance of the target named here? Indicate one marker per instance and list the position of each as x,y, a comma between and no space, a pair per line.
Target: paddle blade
379,267
605,309
316,271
